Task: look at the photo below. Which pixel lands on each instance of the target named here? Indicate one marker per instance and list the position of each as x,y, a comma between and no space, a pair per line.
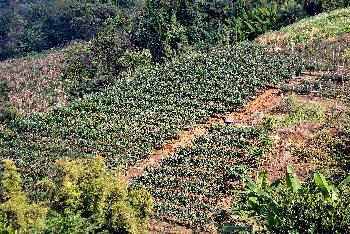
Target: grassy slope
320,27
323,39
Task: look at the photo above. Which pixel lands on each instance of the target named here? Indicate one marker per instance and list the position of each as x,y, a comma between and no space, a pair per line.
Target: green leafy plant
252,23
16,211
88,192
9,113
289,205
4,89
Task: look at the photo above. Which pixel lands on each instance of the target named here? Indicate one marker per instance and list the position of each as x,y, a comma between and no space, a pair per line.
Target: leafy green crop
137,116
188,187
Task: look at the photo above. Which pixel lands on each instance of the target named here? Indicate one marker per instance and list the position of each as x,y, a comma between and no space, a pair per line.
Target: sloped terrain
34,83
126,123
190,130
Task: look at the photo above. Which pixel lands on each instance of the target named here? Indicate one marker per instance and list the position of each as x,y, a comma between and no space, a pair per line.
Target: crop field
191,184
126,123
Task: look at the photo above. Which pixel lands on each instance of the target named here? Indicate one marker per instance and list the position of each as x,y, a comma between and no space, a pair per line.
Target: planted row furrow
126,123
192,183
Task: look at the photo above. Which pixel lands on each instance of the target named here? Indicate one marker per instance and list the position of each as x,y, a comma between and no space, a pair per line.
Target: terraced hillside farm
126,123
169,120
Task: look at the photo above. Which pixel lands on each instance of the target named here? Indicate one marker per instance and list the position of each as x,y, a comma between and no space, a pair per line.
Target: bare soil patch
247,117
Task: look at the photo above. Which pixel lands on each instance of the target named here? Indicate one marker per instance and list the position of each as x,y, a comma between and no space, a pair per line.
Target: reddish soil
251,111
155,226
276,162
282,156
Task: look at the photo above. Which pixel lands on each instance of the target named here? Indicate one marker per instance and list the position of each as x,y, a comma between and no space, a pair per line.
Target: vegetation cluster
85,197
144,72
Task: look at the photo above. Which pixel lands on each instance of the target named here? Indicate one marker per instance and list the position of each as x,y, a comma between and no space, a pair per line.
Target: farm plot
188,187
127,122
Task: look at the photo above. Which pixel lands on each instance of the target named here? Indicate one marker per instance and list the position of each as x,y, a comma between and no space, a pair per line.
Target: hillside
33,83
125,135
323,39
126,123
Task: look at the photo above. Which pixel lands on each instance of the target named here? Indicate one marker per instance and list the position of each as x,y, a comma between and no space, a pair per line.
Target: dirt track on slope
250,115
246,117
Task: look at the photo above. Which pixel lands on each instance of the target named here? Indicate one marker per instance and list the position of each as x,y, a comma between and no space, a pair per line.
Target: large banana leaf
292,180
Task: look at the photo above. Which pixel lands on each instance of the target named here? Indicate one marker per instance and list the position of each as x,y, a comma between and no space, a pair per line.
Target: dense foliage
103,61
314,7
42,25
190,187
164,27
125,123
85,197
291,207
169,27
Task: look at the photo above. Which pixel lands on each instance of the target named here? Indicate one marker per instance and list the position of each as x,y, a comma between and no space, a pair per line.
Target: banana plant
260,202
260,199
327,189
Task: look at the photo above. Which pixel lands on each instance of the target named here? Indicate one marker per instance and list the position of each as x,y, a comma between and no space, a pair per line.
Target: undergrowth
290,112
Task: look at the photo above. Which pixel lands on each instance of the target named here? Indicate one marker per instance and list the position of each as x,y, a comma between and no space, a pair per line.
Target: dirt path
246,117
251,114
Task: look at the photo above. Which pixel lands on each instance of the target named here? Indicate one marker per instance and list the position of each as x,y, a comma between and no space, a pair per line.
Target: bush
313,7
9,113
287,206
15,209
102,62
110,45
169,27
92,191
4,90
85,197
160,30
73,224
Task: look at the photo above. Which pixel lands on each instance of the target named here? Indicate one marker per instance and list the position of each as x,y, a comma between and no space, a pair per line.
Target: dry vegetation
34,82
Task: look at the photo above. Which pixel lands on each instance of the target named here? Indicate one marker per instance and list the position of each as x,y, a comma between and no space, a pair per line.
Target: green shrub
91,190
288,206
73,224
4,90
102,62
15,209
85,197
9,113
313,7
160,29
169,27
